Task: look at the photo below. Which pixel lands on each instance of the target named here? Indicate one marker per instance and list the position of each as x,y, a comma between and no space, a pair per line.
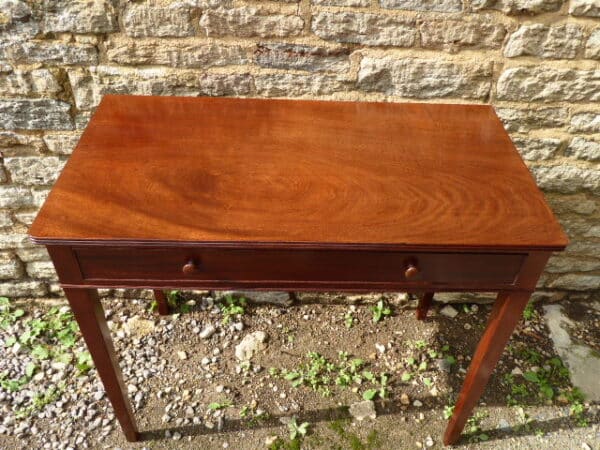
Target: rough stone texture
79,16
41,269
585,122
140,19
16,21
10,140
34,115
23,289
15,197
547,84
356,3
424,5
583,148
567,178
515,7
250,345
61,144
592,46
13,241
452,35
303,57
37,253
424,78
563,41
537,149
293,85
248,21
5,220
576,282
10,267
365,28
589,8
174,53
59,57
88,88
50,53
524,120
34,170
35,82
565,264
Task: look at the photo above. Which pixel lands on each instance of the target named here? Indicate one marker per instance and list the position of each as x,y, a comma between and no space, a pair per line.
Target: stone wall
536,61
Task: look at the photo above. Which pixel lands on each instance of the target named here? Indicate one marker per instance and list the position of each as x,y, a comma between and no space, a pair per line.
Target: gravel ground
197,382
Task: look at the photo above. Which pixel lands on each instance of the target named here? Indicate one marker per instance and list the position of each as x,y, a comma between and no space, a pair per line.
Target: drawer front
268,267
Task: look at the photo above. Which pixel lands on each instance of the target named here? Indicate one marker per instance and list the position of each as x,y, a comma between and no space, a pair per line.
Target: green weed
380,311
231,307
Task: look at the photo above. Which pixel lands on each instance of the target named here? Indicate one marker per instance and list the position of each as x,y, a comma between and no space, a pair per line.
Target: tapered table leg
425,301
89,314
161,301
505,315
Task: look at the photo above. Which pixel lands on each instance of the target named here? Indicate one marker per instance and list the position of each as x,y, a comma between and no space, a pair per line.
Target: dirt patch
209,399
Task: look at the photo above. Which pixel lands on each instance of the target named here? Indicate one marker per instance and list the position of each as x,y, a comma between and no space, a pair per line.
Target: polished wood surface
295,268
215,170
425,301
90,317
161,302
173,193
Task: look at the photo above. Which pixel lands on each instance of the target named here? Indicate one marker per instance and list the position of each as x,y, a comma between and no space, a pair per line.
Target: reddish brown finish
506,313
328,267
161,301
411,271
226,193
424,305
89,314
189,267
188,170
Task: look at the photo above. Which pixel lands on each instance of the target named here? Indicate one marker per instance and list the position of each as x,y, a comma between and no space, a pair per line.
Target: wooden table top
252,172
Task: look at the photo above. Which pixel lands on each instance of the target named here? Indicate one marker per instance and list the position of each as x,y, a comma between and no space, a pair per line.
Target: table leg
89,314
424,305
161,301
506,313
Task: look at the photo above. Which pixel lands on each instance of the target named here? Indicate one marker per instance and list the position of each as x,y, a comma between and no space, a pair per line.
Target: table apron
286,269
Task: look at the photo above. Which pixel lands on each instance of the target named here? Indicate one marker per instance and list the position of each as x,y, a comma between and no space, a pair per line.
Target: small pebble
208,331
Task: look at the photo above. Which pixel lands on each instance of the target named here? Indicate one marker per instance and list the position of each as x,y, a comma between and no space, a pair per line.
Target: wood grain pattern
89,314
185,170
506,313
161,302
167,192
425,301
321,266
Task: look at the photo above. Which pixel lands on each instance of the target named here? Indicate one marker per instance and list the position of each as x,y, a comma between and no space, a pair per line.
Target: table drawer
223,265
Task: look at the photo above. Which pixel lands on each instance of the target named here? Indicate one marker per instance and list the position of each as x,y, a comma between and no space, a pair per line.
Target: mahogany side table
214,193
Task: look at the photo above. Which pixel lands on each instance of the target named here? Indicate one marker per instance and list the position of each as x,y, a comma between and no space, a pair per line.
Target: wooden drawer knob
189,267
411,270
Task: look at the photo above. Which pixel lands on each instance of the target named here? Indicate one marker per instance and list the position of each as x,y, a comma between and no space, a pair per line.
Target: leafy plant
40,400
231,307
349,319
297,430
215,406
529,312
8,315
380,311
351,440
321,374
84,362
474,427
448,411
